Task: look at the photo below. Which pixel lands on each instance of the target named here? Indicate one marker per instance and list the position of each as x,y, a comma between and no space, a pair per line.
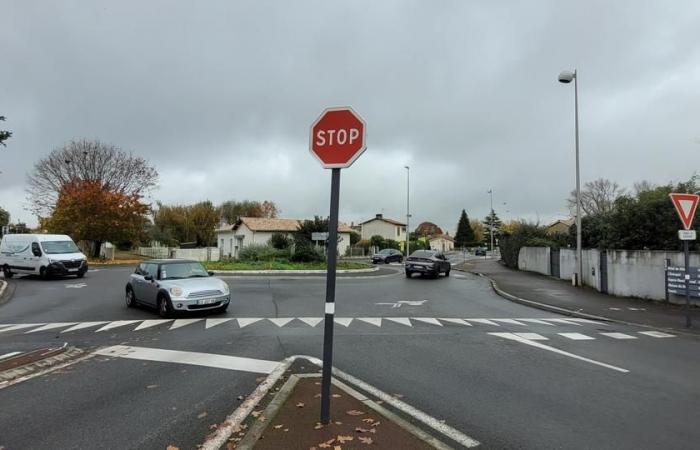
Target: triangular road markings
311,321
402,320
457,321
21,326
115,324
214,322
344,321
281,321
179,323
429,320
151,323
376,321
51,326
82,325
245,322
485,321
685,204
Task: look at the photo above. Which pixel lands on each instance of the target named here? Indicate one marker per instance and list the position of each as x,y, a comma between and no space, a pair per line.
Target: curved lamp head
566,77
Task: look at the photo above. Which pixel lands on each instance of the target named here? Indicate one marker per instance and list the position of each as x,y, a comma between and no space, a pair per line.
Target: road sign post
337,140
686,205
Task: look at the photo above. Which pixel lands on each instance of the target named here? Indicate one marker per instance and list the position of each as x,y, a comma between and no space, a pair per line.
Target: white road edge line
9,355
223,433
514,337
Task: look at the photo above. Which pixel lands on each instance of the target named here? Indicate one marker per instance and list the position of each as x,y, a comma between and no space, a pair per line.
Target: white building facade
386,228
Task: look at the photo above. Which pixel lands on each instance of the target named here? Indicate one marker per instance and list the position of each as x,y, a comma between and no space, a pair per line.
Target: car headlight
226,289
176,291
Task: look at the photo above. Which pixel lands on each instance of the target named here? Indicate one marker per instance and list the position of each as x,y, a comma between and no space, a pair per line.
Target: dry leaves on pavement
300,405
202,415
366,440
354,412
344,439
170,447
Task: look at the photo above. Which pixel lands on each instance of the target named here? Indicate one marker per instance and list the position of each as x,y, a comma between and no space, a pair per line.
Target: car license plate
72,270
206,301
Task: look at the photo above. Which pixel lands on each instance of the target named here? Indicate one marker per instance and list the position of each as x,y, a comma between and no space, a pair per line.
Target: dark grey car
176,285
427,262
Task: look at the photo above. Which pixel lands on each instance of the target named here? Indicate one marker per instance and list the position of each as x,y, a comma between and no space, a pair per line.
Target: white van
41,254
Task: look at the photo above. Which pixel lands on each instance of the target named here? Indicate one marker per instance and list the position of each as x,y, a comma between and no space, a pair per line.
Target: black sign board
675,281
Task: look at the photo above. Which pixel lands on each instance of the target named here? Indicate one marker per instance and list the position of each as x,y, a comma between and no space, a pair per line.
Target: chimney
380,216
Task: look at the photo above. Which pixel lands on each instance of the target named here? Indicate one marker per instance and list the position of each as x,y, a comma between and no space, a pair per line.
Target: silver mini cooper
176,285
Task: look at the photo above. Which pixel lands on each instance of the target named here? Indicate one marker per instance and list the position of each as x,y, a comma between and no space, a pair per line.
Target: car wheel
7,272
80,275
130,298
408,274
400,260
447,274
164,309
42,273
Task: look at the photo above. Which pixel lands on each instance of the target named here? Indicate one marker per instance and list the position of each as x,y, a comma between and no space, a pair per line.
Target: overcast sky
219,97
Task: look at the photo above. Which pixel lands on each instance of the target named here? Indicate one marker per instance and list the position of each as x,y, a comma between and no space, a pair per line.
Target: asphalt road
536,389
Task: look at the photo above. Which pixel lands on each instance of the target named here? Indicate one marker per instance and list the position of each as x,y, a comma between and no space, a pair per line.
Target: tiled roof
384,219
283,225
441,236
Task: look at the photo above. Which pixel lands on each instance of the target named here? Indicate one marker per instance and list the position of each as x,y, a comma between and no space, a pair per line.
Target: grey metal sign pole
330,299
686,250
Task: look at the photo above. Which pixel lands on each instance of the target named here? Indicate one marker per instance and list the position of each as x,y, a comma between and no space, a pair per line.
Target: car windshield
422,254
386,251
56,247
176,271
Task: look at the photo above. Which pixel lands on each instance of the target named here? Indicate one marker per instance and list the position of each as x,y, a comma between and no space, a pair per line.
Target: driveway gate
554,263
604,271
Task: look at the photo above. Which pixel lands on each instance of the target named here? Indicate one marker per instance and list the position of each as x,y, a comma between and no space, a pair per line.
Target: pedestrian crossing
518,326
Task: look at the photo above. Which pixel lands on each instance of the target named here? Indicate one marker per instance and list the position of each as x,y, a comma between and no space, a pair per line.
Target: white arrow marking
51,326
401,320
457,321
281,321
82,325
516,338
311,321
179,323
214,322
344,321
193,358
245,322
429,320
377,322
115,324
151,323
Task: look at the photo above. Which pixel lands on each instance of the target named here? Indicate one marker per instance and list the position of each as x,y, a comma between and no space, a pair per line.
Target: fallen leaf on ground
361,430
318,426
337,447
354,412
317,396
336,395
366,440
300,405
240,397
317,383
338,422
277,427
397,395
259,380
170,447
285,430
368,420
256,413
262,418
202,415
213,426
343,439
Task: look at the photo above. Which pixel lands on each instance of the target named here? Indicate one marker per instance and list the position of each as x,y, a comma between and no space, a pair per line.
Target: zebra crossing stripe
538,321
179,323
532,336
576,336
509,321
116,324
377,322
245,322
311,321
214,322
151,323
657,334
84,325
485,321
565,321
280,322
21,326
401,320
457,321
429,320
51,326
619,335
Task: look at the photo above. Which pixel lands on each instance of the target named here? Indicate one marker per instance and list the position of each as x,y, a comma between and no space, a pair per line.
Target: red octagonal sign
338,137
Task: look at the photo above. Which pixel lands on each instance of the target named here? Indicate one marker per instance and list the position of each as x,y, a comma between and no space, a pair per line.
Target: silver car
176,285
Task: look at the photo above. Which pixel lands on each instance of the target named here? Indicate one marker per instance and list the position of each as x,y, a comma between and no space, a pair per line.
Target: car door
33,257
150,287
137,281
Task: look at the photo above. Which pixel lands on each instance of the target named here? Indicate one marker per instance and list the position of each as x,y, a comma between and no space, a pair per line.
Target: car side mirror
211,274
148,277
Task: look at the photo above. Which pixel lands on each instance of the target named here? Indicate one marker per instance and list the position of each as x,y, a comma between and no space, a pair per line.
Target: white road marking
457,321
245,322
614,309
429,320
281,321
9,355
401,320
576,336
151,323
401,303
193,358
485,321
214,322
21,326
564,321
344,321
537,321
619,335
76,286
532,336
311,321
656,334
83,325
377,322
511,321
116,324
179,323
51,326
516,338
589,321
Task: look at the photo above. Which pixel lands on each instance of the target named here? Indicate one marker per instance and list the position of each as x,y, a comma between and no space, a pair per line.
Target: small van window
36,251
57,247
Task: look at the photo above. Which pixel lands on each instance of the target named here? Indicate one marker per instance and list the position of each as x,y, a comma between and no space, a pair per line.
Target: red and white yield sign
685,204
338,137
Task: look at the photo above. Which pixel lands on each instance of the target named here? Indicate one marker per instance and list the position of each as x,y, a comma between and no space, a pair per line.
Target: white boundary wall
534,259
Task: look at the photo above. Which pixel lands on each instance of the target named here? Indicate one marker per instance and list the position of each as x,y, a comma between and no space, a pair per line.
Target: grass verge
280,265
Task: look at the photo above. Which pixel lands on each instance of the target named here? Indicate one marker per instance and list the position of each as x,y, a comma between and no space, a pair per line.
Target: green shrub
307,253
260,252
280,241
525,234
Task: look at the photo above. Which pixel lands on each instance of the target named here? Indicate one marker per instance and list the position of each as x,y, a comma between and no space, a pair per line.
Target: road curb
70,356
569,312
291,272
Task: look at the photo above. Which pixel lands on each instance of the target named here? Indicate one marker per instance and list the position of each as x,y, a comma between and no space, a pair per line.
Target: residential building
442,242
560,227
386,228
255,230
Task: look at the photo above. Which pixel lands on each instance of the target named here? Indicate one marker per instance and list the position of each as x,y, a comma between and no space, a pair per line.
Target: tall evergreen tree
465,235
492,221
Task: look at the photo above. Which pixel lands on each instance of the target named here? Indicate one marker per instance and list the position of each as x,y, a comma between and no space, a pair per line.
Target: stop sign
338,137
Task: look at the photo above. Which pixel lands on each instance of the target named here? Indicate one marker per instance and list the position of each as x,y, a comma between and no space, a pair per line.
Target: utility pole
408,205
492,219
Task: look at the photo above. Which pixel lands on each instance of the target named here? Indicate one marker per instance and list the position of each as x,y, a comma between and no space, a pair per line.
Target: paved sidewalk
560,294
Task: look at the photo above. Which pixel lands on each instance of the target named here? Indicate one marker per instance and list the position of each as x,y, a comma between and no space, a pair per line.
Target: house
442,242
386,228
256,230
559,227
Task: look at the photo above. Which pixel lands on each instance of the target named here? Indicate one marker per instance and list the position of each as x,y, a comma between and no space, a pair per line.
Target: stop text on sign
339,137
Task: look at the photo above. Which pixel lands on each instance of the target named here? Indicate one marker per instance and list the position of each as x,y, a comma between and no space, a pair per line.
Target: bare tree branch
597,196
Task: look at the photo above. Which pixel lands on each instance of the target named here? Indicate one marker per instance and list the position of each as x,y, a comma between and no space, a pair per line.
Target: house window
398,231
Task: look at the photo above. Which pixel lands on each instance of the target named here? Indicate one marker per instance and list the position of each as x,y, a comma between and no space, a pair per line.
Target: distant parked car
387,255
172,285
480,252
427,262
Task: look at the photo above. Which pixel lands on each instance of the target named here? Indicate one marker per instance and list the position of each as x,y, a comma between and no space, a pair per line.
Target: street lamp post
408,204
492,219
567,77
